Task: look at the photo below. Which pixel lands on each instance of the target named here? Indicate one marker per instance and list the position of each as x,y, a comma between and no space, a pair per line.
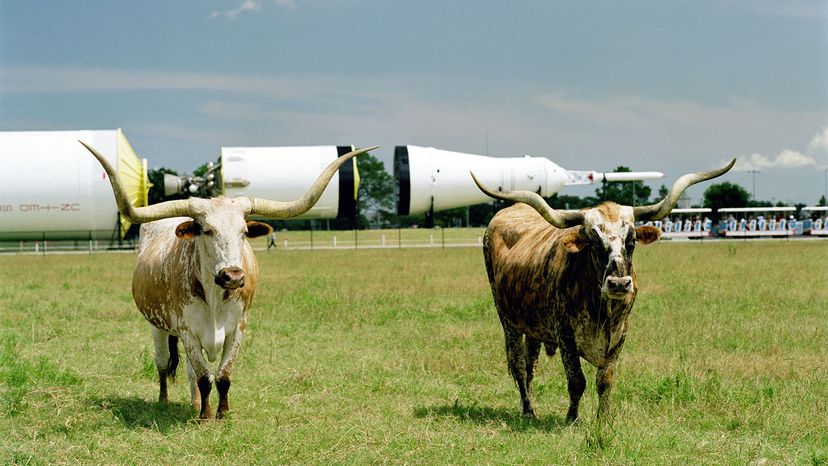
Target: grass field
396,356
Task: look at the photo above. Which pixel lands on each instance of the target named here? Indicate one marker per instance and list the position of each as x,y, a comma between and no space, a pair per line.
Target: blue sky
670,86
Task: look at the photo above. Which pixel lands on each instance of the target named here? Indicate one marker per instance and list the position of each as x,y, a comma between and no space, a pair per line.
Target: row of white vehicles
745,222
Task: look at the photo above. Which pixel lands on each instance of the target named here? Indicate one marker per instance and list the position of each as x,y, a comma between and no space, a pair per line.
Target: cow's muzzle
230,278
618,287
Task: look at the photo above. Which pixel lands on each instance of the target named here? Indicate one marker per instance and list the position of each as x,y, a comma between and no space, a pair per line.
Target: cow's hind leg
575,381
166,360
516,358
533,348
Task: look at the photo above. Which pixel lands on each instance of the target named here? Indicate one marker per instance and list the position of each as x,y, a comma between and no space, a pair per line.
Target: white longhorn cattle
196,275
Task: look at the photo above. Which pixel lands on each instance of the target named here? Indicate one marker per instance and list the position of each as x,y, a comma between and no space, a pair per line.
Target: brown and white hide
565,280
550,286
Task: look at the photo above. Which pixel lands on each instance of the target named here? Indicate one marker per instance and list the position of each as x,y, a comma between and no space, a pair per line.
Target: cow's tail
487,256
173,365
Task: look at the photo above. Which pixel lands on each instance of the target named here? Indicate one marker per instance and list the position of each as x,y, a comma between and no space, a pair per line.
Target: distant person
271,240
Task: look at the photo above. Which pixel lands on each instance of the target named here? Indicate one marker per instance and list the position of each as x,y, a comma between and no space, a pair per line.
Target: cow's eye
208,232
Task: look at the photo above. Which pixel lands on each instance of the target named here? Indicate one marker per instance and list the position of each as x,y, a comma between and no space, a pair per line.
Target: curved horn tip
360,151
479,184
731,164
88,147
101,158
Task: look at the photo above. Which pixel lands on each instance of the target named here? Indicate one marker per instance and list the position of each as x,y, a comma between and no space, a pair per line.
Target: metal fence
289,240
371,239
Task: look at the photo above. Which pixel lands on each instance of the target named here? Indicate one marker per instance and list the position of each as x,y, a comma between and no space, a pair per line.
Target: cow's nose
230,278
619,285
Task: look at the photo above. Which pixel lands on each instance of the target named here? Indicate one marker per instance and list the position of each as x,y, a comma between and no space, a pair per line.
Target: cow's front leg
232,343
200,373
603,383
575,380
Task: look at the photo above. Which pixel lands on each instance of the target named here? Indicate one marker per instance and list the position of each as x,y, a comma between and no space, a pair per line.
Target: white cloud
250,6
819,142
787,158
794,159
245,6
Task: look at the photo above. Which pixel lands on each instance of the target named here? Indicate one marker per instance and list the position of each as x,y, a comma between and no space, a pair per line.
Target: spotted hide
177,288
196,275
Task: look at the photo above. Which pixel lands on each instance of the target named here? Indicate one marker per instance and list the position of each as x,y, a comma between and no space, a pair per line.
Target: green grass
396,356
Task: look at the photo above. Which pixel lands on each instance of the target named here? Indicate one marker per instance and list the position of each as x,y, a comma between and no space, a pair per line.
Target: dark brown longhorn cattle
565,279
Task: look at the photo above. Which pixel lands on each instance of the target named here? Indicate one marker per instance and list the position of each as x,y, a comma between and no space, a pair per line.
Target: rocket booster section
429,179
283,173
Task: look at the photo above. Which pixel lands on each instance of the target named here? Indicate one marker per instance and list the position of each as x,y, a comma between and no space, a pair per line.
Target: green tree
822,201
451,217
375,202
481,214
201,170
725,194
755,203
566,201
624,192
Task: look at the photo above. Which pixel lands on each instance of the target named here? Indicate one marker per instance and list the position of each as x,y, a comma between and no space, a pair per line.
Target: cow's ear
575,241
256,229
188,229
647,234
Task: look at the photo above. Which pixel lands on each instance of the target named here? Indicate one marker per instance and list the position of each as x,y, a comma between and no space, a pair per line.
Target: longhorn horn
661,209
278,209
557,218
177,208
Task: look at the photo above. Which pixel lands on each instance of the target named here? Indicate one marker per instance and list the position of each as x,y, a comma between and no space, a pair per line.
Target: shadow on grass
137,413
513,419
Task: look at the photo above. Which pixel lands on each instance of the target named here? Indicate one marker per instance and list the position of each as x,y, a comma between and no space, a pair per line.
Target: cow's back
519,247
